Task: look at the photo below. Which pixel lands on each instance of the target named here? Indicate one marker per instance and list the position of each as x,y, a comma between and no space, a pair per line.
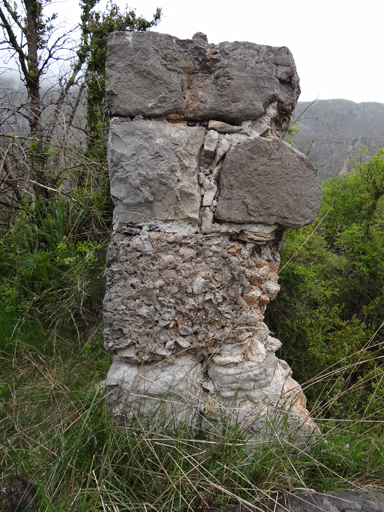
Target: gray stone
230,379
200,281
206,221
154,171
251,389
224,145
172,389
335,501
341,501
198,297
152,74
200,36
209,148
221,127
18,494
266,181
265,122
209,194
254,232
272,344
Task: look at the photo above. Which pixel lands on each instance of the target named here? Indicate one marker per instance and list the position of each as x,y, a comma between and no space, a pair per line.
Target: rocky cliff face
334,130
203,189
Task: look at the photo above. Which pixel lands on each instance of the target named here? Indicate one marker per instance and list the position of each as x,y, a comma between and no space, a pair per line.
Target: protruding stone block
209,148
266,181
152,74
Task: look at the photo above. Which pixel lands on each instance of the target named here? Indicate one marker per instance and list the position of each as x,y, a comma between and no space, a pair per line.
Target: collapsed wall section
203,188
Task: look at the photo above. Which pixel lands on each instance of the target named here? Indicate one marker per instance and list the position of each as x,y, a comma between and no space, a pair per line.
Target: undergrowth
55,430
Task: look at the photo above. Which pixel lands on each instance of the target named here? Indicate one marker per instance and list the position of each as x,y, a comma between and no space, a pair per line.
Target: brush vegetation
55,429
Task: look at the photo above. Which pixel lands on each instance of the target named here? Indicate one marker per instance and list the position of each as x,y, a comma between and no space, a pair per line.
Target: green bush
52,263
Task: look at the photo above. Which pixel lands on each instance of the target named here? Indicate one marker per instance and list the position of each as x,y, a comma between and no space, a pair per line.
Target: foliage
292,130
55,219
51,266
55,126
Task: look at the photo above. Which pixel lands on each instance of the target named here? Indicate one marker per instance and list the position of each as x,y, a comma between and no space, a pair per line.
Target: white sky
338,45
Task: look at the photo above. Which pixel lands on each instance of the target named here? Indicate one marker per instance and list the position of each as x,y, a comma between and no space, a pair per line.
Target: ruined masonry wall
203,189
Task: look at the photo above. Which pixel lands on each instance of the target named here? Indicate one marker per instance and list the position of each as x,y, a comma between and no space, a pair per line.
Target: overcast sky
337,44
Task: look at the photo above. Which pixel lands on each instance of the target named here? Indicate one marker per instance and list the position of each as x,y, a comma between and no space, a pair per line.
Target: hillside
333,131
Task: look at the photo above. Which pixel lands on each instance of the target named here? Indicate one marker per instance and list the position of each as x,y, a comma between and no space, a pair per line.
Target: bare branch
13,42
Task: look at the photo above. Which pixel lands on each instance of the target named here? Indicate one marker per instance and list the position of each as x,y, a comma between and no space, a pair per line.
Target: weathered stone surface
221,127
336,501
266,181
223,148
154,170
195,300
250,232
18,494
171,388
265,123
341,501
209,148
255,389
152,74
205,284
207,221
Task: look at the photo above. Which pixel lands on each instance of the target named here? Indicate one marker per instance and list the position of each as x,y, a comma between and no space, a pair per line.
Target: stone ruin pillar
203,188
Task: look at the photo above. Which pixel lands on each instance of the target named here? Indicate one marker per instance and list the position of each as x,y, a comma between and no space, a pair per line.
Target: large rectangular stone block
154,170
152,74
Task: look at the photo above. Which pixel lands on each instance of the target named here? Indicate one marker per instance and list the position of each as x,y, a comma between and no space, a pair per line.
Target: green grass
56,432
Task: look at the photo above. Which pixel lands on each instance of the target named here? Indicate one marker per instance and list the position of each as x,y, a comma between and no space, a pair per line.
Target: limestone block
154,170
257,232
206,221
250,393
209,194
221,127
265,122
224,145
241,379
347,501
173,389
152,74
266,181
209,148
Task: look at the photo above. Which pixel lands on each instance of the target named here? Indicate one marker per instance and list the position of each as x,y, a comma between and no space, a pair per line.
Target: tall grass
55,430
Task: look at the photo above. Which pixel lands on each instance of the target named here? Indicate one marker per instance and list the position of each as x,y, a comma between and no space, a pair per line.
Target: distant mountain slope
333,131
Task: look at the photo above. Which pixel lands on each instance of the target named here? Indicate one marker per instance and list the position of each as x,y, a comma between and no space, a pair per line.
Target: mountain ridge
332,131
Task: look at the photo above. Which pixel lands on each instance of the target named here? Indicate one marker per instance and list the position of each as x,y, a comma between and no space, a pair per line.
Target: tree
28,35
34,39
